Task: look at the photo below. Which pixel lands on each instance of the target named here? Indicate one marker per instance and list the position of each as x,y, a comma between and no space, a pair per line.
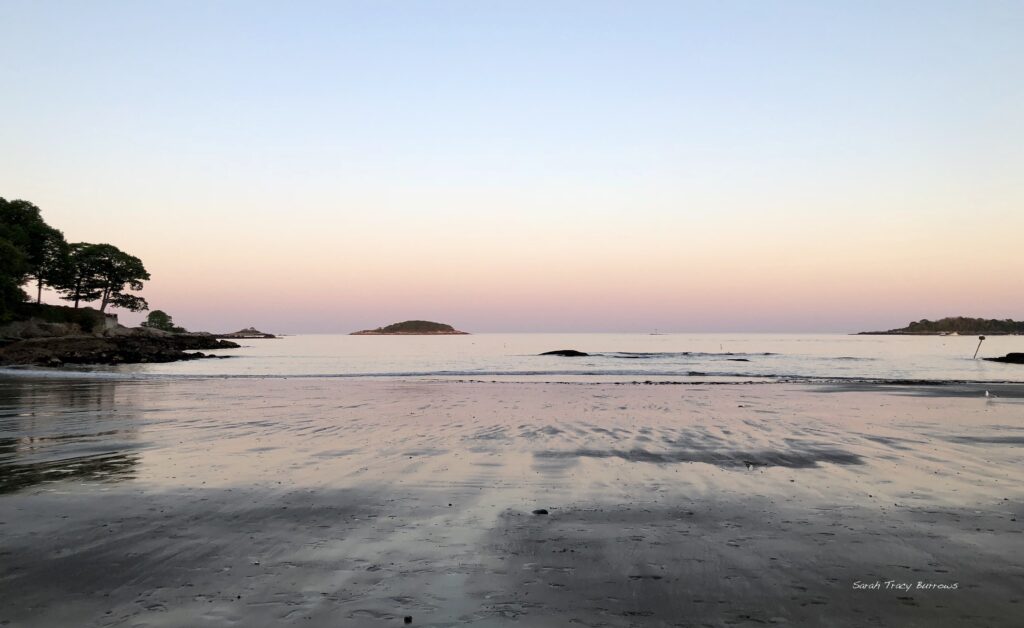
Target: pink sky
566,166
486,273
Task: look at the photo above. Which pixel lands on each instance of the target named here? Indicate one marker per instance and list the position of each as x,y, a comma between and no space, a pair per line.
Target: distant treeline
960,325
32,253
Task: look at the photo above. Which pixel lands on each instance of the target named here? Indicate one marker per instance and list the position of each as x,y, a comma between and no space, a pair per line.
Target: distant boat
655,333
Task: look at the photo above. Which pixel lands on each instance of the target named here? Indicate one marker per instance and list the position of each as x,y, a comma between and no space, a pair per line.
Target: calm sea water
614,357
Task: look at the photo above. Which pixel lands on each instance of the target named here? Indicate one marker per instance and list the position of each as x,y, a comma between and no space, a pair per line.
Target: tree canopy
33,251
20,224
159,319
104,272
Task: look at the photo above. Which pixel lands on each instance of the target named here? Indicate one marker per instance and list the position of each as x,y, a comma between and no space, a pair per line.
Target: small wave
640,355
636,376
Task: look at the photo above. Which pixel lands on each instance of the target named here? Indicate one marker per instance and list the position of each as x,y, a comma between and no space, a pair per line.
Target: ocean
690,358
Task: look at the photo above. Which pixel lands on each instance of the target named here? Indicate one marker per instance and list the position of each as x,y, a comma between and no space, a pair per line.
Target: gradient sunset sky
531,166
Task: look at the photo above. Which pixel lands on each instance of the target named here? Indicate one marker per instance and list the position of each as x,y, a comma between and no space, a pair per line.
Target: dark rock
541,511
124,348
408,619
1009,358
569,353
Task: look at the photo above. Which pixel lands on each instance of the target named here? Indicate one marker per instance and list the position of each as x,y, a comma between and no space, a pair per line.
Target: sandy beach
312,502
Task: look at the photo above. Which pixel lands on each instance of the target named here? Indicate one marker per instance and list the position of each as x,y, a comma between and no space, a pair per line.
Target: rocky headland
89,337
121,349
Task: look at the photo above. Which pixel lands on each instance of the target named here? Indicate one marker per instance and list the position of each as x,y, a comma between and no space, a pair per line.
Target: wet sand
326,502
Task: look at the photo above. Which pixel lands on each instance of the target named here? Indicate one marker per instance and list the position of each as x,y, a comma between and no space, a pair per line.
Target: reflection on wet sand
793,458
63,430
303,502
98,467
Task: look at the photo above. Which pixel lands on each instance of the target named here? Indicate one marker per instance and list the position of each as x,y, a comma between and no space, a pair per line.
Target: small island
955,326
248,333
412,328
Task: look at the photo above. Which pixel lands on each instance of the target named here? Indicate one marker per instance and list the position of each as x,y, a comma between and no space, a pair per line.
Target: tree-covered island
412,328
959,325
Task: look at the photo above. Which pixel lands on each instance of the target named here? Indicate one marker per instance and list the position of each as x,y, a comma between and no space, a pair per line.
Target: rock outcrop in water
412,328
568,353
119,349
38,341
1009,358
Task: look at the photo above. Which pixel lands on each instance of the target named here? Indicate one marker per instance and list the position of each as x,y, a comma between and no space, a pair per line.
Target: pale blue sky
323,124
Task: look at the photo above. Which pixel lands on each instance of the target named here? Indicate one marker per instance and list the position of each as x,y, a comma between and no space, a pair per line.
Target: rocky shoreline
968,334
137,348
37,342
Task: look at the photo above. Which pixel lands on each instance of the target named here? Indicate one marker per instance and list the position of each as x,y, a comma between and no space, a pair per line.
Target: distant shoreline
954,334
955,326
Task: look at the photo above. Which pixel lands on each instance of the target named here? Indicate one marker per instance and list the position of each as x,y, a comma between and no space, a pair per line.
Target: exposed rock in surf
569,353
1009,358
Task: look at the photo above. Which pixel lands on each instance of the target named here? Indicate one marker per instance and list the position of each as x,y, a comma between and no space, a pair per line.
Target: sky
531,166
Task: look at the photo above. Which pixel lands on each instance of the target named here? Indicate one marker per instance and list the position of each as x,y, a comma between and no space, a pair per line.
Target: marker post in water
981,339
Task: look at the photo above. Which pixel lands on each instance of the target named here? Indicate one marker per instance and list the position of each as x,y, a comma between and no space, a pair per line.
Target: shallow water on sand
326,502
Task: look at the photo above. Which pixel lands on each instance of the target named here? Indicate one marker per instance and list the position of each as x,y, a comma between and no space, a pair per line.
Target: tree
159,319
48,257
78,283
105,272
41,248
19,220
12,270
31,250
